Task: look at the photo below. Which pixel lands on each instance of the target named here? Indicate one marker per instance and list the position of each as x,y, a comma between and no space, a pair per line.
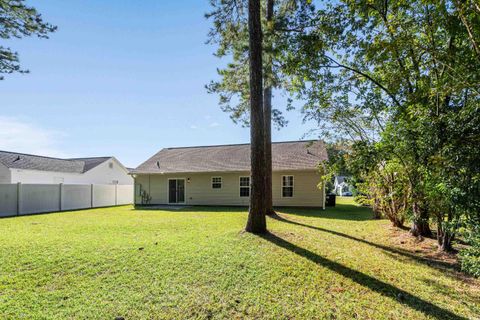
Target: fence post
60,204
116,194
91,195
19,198
324,193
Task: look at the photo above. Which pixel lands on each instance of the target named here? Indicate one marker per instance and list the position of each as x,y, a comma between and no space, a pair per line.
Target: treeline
407,94
397,81
401,82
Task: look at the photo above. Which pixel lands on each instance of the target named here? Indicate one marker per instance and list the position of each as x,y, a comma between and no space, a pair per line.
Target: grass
196,263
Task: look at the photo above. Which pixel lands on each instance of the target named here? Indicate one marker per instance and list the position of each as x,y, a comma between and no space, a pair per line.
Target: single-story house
220,175
33,169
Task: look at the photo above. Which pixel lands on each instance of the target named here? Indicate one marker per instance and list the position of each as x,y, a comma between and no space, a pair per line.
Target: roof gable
297,155
90,163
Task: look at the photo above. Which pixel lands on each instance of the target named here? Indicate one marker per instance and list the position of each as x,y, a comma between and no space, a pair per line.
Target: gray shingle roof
340,179
16,160
91,163
296,155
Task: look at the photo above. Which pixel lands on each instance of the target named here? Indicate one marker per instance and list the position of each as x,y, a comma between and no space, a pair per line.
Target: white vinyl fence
21,199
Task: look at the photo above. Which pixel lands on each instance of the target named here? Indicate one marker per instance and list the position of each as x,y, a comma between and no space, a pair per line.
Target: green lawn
196,263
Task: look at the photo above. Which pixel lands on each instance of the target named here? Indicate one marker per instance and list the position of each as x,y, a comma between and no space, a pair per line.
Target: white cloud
208,117
24,136
214,124
193,127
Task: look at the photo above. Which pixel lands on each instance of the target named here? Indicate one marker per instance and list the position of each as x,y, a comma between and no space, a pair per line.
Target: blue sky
122,78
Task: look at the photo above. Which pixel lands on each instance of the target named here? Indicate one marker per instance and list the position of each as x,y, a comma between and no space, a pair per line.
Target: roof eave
216,171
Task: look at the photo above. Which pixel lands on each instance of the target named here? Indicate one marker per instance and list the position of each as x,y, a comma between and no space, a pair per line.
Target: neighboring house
220,175
341,185
32,169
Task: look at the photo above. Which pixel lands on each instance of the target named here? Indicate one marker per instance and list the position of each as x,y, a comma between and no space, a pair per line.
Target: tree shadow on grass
191,208
339,212
373,284
444,266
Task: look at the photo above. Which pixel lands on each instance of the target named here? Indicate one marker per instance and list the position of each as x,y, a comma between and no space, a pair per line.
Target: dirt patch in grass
427,248
424,247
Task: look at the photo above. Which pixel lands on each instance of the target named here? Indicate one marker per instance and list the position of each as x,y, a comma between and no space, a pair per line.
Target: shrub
470,257
470,260
362,200
388,192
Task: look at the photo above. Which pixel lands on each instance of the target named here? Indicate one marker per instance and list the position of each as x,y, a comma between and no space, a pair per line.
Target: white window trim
249,186
221,182
282,186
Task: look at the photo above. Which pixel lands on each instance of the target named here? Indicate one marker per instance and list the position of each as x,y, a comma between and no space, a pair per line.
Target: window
216,182
244,186
110,165
287,186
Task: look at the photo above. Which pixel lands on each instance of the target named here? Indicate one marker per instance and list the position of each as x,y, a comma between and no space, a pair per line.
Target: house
220,175
33,169
341,185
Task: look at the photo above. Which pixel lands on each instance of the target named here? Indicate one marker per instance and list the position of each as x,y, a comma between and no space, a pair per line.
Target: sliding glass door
176,191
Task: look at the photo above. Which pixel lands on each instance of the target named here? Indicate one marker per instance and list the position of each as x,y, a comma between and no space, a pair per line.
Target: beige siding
158,188
305,189
140,182
199,191
154,185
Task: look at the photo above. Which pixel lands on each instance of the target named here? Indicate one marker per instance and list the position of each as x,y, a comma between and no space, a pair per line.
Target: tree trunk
420,226
444,237
268,151
256,216
377,213
446,245
267,108
397,222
